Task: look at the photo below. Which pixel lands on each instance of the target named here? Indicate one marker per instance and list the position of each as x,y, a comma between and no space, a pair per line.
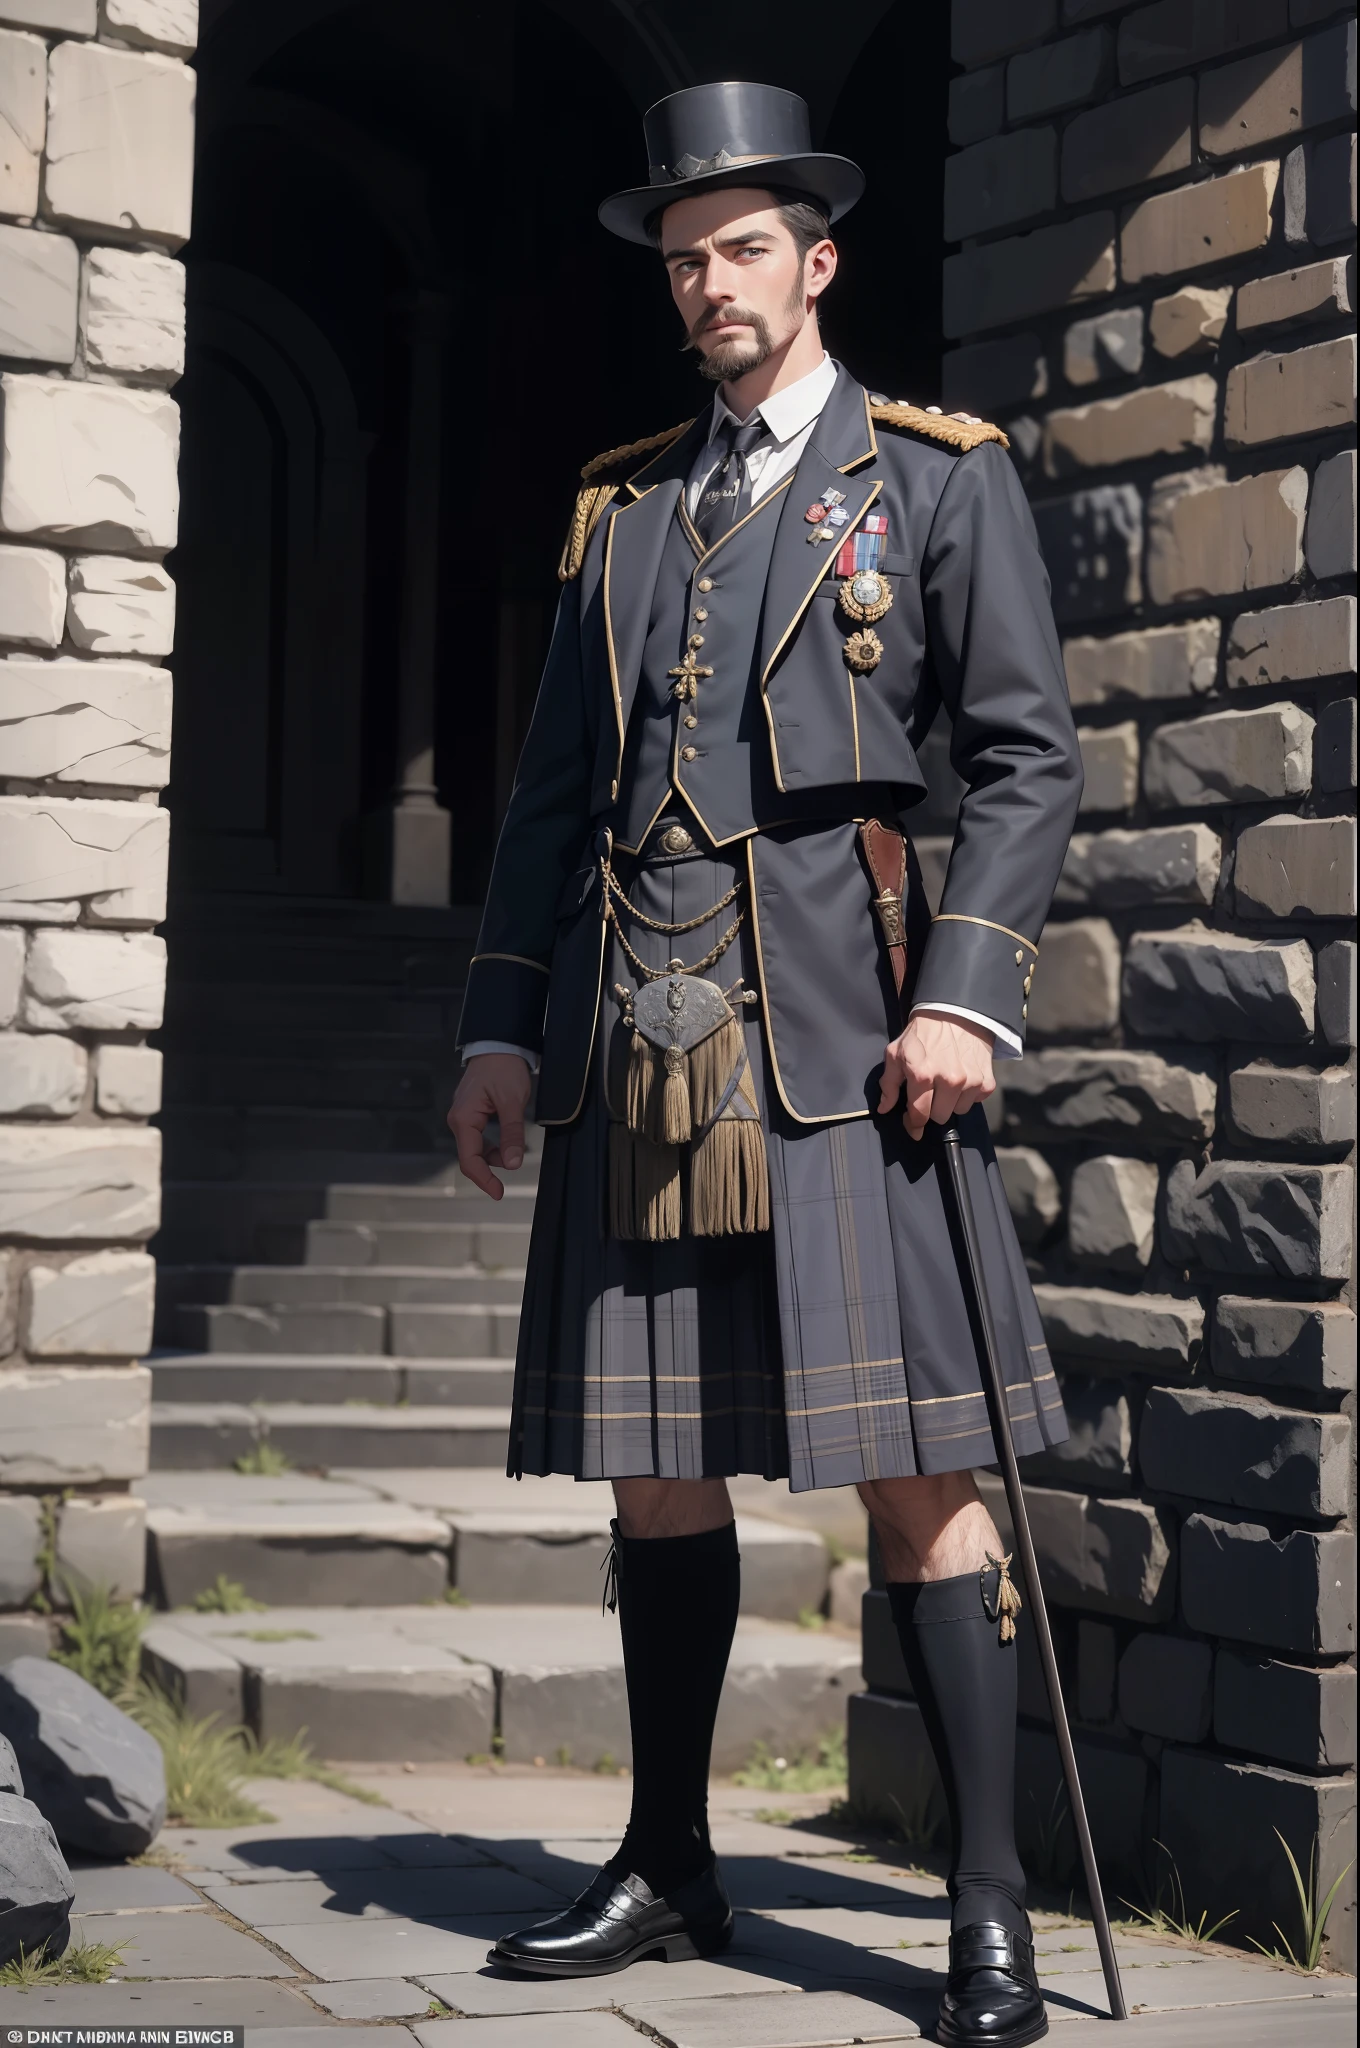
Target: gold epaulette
598,490
960,434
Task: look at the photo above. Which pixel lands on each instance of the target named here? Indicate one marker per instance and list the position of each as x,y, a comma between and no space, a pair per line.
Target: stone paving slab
569,2030
373,1998
816,2019
201,1490
486,1993
319,2035
179,1945
127,1887
385,1895
388,1948
226,2002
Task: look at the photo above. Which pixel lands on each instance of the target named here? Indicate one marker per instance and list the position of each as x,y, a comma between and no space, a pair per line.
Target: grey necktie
726,496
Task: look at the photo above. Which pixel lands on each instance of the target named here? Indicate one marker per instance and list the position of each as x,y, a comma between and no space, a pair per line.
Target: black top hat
724,134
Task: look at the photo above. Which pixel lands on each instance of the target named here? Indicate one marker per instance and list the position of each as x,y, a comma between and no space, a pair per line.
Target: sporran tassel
729,1180
710,1069
644,1186
1008,1601
677,1124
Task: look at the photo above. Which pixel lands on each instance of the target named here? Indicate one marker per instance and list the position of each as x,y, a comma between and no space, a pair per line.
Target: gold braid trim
954,433
613,456
596,496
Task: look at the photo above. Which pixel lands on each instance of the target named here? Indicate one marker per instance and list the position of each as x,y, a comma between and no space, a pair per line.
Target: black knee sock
965,1682
678,1598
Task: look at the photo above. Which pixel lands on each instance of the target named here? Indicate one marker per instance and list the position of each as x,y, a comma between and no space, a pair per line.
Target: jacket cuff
507,999
975,964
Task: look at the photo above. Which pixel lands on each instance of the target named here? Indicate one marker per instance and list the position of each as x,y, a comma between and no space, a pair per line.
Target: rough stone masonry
96,121
1154,291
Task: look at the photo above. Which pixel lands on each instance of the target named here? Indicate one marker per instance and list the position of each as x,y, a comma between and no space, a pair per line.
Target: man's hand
943,1063
495,1084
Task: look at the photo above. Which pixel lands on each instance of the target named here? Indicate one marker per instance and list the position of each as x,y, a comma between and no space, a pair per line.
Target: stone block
1295,1592
1059,75
24,1635
1277,397
1114,1781
1314,291
1109,345
884,1667
1292,643
101,1541
1239,1217
991,377
1275,92
36,1888
1230,757
1245,1451
1157,663
1175,33
13,948
56,852
983,30
1109,760
1197,225
32,597
132,314
120,141
97,1306
1076,984
1309,1345
1330,543
1112,1212
21,1536
1031,1191
1293,1105
89,462
1067,1093
1128,141
121,607
1163,419
127,1080
1296,867
23,120
101,722
1319,191
892,1770
1336,992
1098,1453
1200,984
846,1590
94,1774
1166,1687
1126,870
1189,322
1334,750
1114,1557
1289,1712
1097,1670
74,1425
73,1185
41,1075
1092,545
1028,274
995,183
1152,1332
39,285
69,17
152,24
94,981
977,104
1208,536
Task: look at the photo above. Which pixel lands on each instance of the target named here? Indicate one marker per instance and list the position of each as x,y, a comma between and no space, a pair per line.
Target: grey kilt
835,1347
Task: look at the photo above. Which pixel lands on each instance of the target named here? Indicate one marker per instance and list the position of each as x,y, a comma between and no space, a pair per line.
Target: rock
1097,1667
85,721
995,183
994,376
39,286
1110,345
1154,1332
1112,1212
127,1080
97,1306
1109,760
977,104
1000,282
1292,643
1162,661
1198,224
32,597
36,1889
153,24
57,853
121,607
1316,291
1125,870
1161,419
1305,1344
1076,982
1296,867
1245,1452
1070,1093
1058,75
1166,1687
1285,1711
10,1780
1129,140
94,981
1200,984
23,120
1208,536
1295,1592
1031,1191
40,1076
13,948
1093,546
1099,1451
1336,992
1293,1105
101,1540
96,1776
21,1538
1189,322
1331,517
1334,749
1277,397
70,1185
133,315
1230,757
1235,1217
89,463
120,141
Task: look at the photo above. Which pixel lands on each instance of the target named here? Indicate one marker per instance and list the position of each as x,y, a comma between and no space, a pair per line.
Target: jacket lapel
633,545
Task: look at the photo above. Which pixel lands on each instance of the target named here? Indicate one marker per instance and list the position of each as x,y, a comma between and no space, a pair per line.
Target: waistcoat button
688,753
705,584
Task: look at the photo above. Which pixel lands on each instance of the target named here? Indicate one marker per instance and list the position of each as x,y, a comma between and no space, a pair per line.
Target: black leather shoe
992,1997
617,1921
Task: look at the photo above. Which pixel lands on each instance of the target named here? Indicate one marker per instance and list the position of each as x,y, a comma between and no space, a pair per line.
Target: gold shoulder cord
937,426
598,493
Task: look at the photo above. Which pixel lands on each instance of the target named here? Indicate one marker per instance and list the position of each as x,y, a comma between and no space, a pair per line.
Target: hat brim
833,182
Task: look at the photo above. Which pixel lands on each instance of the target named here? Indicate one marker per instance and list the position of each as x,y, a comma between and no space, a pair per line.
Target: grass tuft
1171,1915
811,1617
101,1639
226,1596
1312,1916
207,1765
85,1962
264,1460
814,1770
271,1635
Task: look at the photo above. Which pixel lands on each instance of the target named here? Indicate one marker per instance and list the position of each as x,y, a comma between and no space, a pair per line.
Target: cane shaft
1024,1543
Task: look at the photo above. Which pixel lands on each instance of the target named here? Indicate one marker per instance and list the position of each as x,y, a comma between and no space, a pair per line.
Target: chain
654,924
646,973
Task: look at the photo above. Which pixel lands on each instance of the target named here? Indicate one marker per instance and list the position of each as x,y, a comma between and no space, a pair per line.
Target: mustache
710,318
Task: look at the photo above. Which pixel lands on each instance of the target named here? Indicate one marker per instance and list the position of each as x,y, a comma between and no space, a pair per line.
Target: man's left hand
944,1065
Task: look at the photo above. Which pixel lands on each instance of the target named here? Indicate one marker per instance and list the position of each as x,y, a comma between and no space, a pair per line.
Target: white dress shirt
790,415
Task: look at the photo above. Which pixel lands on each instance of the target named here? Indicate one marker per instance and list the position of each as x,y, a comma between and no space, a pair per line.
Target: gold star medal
865,597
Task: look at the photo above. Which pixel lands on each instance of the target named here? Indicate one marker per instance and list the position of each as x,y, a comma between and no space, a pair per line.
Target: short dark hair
803,217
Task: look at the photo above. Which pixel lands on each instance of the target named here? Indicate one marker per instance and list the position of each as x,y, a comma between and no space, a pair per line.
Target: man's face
737,279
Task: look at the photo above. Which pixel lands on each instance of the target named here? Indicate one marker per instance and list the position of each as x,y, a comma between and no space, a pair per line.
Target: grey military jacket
971,626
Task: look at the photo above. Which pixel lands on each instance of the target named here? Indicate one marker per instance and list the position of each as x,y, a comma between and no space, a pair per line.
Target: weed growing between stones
264,1460
814,1770
811,1617
1312,1916
1170,1915
86,1962
270,1635
206,1765
226,1596
101,1640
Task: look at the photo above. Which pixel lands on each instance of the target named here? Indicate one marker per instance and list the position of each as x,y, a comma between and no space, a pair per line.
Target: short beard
730,360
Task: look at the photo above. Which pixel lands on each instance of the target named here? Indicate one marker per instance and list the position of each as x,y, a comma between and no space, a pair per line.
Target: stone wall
1154,292
96,123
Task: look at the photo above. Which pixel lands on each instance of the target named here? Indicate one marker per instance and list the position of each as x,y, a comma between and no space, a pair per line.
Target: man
742,1256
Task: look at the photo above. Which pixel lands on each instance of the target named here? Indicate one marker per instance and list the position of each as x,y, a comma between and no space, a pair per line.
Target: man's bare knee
671,1507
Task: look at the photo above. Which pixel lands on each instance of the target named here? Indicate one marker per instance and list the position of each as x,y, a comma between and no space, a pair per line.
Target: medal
865,597
864,550
833,498
816,513
863,651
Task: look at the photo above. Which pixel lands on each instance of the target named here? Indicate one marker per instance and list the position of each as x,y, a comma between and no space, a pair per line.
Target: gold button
696,639
1024,1009
688,753
693,721
1019,959
613,792
1027,983
701,613
705,583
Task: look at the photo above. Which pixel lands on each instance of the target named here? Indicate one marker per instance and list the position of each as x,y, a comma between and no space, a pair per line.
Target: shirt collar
787,412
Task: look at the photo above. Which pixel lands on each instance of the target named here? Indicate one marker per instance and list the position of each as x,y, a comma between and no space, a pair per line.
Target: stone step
315,1332
416,1684
244,1378
488,1244
353,1554
328,1286
249,1222
455,1202
327,1079
225,1143
466,1330
256,1009
198,1436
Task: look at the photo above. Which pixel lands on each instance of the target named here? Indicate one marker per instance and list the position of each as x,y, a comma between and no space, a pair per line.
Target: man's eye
750,252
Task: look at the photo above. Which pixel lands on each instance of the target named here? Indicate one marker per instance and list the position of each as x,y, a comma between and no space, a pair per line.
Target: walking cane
1024,1543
